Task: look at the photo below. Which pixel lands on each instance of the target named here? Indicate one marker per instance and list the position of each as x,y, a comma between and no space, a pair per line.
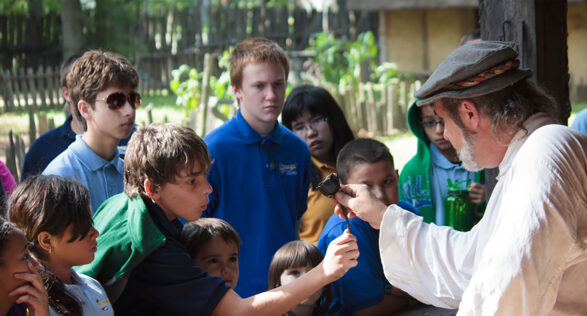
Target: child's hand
341,255
361,202
33,293
476,192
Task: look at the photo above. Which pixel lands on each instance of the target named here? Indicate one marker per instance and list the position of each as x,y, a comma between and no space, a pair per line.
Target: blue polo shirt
102,178
364,285
45,148
168,282
260,186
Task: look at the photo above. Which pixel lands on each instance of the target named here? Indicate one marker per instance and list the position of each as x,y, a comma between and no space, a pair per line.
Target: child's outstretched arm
341,255
33,293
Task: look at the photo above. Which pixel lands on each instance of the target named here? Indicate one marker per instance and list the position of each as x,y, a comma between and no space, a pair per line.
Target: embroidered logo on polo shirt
288,170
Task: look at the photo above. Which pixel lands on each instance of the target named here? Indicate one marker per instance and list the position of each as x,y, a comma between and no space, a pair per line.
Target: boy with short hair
364,289
102,87
141,261
423,180
214,246
45,148
261,170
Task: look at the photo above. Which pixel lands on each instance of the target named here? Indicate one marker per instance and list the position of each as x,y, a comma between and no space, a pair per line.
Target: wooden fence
24,89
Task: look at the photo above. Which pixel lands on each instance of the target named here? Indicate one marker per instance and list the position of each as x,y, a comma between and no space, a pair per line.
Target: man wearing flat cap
527,255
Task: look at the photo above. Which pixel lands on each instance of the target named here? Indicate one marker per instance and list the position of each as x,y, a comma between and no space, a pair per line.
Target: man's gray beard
467,152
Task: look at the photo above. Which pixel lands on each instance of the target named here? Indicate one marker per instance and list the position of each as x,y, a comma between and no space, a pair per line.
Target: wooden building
418,34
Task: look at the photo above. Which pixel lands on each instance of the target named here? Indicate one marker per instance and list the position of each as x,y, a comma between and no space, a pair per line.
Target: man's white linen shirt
526,256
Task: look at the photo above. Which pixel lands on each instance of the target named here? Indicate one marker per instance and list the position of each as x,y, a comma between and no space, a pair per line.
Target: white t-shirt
90,294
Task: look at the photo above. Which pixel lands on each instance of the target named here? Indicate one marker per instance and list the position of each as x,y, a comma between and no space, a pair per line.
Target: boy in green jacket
141,261
423,181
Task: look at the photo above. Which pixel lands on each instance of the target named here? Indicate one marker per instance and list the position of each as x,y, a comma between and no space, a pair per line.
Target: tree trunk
71,27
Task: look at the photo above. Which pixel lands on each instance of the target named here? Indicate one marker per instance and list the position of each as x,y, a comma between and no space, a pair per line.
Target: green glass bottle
458,210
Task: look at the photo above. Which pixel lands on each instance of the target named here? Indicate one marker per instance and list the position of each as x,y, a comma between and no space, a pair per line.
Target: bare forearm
276,301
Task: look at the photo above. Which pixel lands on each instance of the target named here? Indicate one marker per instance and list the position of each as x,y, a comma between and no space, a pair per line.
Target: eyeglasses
315,123
117,100
431,124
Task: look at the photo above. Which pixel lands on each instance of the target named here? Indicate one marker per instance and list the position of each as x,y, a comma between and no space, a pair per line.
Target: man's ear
44,240
469,114
151,189
84,109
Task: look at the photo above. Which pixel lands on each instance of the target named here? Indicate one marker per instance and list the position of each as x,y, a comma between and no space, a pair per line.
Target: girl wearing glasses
312,114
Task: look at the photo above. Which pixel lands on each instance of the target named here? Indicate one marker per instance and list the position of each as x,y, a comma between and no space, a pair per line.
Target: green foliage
221,85
186,85
22,6
342,62
345,63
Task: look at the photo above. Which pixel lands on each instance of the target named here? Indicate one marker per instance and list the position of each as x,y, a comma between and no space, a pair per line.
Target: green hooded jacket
414,179
128,235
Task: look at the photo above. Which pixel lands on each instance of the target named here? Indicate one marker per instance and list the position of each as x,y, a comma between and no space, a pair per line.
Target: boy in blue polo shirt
364,288
102,86
45,148
261,170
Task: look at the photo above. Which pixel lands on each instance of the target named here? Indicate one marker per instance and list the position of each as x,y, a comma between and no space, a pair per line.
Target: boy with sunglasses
423,180
45,148
102,86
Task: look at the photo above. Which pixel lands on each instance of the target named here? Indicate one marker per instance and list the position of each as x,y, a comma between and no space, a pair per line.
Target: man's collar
530,125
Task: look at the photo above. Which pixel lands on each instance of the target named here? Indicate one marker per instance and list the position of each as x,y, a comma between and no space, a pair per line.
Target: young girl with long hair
313,115
54,214
21,288
289,263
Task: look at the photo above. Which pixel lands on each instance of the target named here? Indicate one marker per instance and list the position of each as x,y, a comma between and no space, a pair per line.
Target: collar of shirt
323,167
91,160
167,227
439,160
530,125
250,136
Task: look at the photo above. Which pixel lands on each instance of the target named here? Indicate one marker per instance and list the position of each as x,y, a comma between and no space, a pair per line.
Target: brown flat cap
473,70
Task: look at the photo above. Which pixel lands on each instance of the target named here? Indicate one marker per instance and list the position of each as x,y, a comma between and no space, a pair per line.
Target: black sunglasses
117,100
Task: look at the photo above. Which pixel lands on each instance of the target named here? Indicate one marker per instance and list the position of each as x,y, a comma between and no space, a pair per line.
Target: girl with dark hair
289,263
313,115
54,214
21,288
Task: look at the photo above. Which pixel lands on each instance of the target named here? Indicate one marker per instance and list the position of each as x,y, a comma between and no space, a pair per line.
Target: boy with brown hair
264,192
214,246
102,89
141,260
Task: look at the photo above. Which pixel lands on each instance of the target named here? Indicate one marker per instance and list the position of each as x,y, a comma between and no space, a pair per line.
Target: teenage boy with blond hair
141,260
261,170
102,87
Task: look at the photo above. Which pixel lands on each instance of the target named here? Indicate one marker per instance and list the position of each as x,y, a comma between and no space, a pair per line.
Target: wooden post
205,94
539,28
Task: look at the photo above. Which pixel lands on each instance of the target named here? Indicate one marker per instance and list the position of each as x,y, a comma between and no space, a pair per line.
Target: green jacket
414,179
127,236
